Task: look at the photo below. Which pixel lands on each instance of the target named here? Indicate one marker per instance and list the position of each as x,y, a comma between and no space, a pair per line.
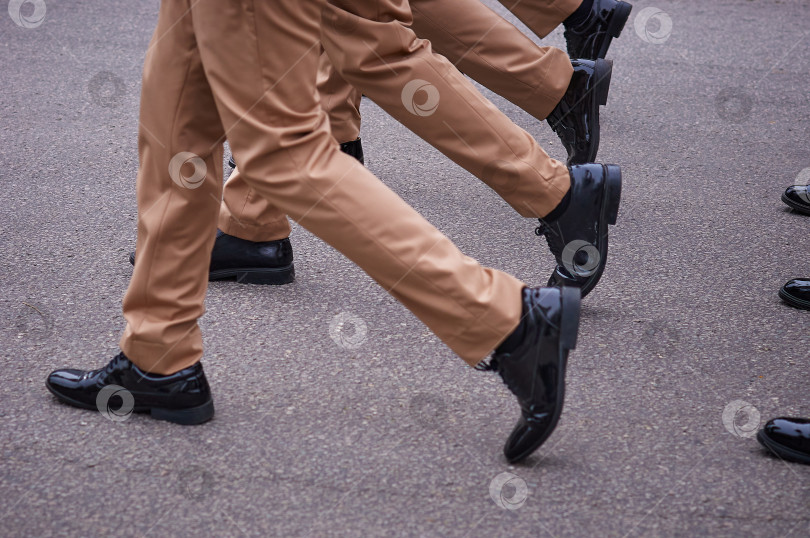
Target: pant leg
541,16
340,100
177,205
493,52
280,136
482,44
247,215
373,48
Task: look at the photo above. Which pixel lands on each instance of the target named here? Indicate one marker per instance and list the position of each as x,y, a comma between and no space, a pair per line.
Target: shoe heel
186,417
569,322
613,192
603,72
275,277
619,19
615,26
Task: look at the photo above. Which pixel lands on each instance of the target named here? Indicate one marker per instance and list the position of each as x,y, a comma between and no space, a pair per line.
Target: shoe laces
109,368
555,246
488,365
583,37
494,365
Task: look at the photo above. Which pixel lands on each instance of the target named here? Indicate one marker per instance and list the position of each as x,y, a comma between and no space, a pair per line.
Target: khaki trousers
541,16
481,44
214,70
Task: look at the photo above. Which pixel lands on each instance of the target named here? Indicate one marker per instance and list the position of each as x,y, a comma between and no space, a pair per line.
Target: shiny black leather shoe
249,262
798,198
353,148
183,397
788,438
579,238
796,293
535,370
592,38
575,119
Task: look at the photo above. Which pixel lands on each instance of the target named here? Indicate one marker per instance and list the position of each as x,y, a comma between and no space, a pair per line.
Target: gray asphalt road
710,122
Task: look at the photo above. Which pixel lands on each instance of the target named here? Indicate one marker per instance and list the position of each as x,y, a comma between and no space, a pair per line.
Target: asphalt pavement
338,412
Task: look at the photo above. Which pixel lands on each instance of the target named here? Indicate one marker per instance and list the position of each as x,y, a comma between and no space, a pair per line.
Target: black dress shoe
575,119
579,238
183,397
796,293
535,369
249,262
591,39
353,148
788,438
798,198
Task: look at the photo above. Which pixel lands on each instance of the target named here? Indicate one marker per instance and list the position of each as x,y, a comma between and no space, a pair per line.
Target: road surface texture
373,427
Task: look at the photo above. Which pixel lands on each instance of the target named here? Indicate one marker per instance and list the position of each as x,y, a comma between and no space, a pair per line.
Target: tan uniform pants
482,45
245,70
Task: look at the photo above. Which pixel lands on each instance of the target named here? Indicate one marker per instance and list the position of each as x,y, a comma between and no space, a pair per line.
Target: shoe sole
186,417
609,216
602,73
256,275
615,26
275,276
793,301
569,328
569,317
611,199
782,451
795,206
